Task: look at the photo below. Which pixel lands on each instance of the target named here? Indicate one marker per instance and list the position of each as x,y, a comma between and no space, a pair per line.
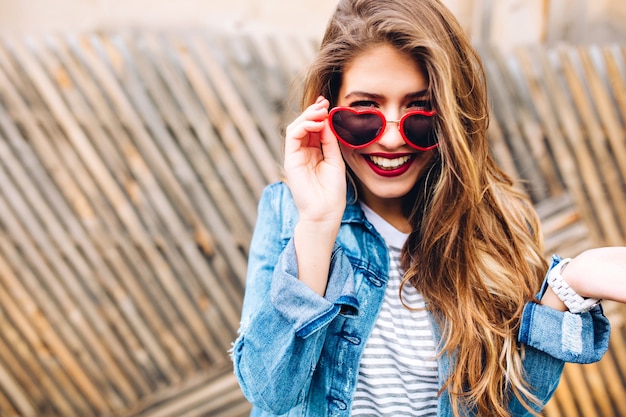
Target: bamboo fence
130,167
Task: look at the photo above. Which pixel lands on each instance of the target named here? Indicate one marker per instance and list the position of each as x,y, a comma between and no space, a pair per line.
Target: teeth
387,163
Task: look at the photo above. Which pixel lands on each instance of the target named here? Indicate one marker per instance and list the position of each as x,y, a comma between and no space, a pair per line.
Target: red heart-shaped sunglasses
360,128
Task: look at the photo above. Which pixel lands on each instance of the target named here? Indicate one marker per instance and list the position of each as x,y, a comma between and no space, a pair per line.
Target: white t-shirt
398,369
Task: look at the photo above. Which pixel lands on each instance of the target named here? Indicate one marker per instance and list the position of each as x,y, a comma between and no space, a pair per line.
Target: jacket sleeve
552,338
578,338
283,321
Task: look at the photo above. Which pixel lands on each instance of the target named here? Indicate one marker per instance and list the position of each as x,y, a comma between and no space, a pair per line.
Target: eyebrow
417,94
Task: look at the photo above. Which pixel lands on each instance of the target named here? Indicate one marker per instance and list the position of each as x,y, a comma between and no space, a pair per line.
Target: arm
597,273
553,336
284,321
315,173
583,338
291,295
579,338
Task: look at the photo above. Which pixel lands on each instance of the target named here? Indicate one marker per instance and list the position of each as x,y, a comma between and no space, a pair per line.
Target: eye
363,104
423,104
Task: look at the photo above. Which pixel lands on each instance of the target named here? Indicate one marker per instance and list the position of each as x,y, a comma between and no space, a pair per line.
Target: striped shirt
398,369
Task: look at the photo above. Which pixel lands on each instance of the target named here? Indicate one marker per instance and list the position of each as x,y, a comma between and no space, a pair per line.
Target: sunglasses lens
356,129
418,129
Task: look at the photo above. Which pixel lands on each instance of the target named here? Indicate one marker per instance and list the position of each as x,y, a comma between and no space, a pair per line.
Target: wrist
314,243
551,300
560,287
573,279
318,229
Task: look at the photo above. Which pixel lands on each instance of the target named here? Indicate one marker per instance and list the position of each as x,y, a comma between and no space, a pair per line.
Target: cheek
430,158
350,156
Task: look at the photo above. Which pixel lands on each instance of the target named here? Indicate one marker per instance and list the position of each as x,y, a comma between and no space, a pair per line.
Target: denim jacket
297,353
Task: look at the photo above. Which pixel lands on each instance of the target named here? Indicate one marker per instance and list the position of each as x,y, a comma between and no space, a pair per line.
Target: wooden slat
62,239
83,208
170,231
33,377
249,81
592,190
554,134
153,303
501,152
606,111
237,211
506,111
617,83
247,141
177,230
597,147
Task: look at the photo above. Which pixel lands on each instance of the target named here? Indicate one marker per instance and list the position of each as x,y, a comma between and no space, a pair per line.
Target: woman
408,289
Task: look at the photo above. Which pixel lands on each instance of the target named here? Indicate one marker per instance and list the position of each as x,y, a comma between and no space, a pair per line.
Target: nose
392,137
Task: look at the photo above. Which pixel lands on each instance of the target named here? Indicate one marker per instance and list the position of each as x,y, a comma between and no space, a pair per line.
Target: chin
387,190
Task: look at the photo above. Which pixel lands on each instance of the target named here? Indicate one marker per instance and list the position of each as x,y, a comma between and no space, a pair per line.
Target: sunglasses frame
383,129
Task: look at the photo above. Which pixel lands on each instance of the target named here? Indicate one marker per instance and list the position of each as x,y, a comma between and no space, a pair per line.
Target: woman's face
385,79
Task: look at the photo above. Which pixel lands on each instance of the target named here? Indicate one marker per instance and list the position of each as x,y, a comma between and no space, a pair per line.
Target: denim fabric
583,337
298,353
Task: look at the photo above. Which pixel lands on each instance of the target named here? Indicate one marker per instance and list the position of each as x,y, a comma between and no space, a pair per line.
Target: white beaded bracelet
574,302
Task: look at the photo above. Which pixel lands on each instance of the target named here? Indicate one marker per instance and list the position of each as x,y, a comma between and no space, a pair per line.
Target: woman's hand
314,167
599,273
596,273
315,174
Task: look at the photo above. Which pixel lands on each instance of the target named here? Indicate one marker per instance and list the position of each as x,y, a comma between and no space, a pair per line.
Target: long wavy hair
475,251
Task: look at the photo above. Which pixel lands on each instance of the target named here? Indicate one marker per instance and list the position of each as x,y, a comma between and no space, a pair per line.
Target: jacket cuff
579,338
303,307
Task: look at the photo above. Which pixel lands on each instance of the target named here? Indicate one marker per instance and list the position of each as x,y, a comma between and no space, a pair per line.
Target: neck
389,209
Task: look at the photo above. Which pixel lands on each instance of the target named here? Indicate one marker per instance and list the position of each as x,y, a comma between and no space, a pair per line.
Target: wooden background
130,166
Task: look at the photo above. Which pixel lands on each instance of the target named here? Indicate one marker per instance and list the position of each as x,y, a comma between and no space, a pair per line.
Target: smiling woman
398,270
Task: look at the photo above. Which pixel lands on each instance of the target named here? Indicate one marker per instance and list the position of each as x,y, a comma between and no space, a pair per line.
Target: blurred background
504,22
136,137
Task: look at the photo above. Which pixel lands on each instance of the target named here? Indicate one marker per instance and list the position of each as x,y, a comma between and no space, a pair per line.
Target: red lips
386,172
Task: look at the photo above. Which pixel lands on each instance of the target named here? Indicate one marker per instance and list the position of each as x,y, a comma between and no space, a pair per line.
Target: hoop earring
352,184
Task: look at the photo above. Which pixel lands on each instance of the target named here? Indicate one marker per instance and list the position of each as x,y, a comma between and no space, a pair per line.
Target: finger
330,145
304,128
317,111
304,134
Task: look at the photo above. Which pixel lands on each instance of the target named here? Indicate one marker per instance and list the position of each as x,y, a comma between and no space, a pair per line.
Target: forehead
383,70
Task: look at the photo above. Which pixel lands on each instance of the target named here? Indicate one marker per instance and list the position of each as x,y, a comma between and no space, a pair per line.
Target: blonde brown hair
475,251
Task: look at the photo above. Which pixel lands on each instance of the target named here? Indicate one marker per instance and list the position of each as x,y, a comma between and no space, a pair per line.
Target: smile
389,166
